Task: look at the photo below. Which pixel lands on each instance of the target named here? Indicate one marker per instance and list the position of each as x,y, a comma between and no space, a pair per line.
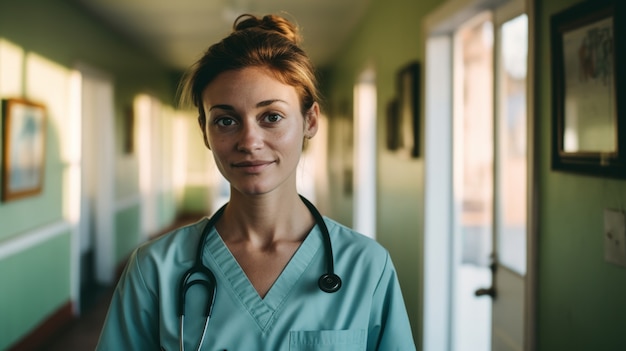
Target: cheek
293,145
288,136
216,144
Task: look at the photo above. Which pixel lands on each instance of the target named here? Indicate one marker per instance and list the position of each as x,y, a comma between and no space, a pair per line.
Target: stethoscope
329,282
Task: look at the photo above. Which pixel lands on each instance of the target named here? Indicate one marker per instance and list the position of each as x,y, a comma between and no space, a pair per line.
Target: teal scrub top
367,313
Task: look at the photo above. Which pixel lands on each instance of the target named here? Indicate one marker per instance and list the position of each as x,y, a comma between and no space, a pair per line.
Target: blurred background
435,141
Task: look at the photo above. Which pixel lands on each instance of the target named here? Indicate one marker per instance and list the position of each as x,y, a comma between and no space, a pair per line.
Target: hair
270,42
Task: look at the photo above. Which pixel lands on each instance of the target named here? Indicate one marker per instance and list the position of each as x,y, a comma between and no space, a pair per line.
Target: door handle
491,291
488,291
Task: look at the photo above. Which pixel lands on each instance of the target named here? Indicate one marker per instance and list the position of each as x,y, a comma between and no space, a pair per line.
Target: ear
202,123
311,121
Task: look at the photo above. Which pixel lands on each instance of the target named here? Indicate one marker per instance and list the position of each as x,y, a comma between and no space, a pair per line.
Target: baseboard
46,330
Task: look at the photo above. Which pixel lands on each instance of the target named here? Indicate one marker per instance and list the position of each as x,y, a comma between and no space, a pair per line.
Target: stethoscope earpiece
329,282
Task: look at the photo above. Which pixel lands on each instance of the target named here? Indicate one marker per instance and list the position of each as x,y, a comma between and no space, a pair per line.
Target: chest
263,267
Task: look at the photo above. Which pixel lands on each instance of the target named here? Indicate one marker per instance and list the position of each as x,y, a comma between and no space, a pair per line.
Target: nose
250,138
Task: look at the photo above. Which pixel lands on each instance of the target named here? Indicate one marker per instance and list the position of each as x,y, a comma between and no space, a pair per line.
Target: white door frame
99,118
532,207
364,174
437,294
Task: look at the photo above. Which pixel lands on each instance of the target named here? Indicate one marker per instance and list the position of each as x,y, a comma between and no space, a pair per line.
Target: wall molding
32,238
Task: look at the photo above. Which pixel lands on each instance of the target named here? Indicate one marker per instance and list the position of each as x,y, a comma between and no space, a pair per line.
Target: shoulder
175,246
160,260
347,241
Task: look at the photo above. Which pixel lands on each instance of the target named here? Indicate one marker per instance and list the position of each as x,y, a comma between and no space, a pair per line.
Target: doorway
96,224
477,173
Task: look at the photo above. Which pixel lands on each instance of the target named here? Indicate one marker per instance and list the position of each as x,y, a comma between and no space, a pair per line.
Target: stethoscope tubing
329,282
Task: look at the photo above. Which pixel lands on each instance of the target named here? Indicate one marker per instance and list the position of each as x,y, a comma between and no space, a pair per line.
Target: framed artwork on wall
129,130
408,109
23,145
393,125
588,92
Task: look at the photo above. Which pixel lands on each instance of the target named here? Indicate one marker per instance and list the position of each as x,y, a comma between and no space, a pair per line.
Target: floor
83,333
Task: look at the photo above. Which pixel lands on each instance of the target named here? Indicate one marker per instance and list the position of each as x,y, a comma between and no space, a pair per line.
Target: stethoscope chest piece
329,282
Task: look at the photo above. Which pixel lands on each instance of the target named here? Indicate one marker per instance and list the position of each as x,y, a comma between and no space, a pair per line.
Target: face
255,128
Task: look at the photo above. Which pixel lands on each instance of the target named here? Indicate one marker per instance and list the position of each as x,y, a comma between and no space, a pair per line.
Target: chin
252,190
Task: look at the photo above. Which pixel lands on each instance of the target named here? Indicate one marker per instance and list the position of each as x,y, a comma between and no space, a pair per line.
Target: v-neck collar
262,310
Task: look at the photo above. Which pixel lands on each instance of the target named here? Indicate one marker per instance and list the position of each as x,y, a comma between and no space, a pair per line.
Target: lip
252,166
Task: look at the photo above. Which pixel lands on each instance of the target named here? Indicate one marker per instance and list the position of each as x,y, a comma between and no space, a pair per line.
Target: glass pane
511,139
473,178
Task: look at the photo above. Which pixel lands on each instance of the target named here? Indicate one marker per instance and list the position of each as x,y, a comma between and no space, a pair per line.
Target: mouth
252,166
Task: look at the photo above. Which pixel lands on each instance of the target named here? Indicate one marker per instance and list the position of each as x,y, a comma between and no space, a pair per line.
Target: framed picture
409,109
129,130
588,97
23,145
393,125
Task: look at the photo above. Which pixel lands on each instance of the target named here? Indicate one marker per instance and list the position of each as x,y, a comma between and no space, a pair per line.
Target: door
482,52
511,179
472,181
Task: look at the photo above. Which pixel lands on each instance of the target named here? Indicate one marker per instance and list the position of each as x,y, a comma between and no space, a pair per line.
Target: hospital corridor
481,143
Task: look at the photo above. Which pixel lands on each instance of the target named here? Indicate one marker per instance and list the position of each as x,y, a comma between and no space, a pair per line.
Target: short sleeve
389,324
132,320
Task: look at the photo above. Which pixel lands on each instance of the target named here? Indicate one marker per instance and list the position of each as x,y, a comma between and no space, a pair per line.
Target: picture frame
23,145
393,125
588,92
408,83
129,130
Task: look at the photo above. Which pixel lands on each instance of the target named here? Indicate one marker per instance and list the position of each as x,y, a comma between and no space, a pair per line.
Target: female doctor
268,270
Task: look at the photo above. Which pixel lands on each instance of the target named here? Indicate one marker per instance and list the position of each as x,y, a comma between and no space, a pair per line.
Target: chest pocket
328,340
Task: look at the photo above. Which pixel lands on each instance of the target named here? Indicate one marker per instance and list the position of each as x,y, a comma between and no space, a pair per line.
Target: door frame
439,25
104,201
364,174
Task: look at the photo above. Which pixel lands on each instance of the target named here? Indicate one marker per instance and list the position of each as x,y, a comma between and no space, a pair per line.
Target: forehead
248,85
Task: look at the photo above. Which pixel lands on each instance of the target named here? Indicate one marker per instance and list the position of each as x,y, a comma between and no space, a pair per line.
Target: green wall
581,298
35,283
167,209
127,230
194,199
390,37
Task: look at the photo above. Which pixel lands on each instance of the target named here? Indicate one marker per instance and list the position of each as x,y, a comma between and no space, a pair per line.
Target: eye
225,121
273,117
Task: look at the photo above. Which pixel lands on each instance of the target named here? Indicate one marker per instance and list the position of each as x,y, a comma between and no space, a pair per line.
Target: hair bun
272,23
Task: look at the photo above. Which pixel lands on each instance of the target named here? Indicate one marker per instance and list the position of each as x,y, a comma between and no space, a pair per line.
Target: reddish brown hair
271,42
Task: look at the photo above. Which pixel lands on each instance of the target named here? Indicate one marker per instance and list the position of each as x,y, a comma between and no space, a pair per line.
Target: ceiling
178,31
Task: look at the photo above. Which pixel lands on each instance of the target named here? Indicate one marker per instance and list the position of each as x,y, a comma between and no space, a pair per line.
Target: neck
265,219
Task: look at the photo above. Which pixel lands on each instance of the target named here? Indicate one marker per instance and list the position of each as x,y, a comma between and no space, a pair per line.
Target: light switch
615,237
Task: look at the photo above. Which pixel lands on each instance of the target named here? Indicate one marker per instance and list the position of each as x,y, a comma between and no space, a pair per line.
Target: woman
255,266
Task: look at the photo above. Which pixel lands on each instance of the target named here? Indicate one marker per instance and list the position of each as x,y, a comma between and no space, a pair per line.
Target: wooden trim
46,330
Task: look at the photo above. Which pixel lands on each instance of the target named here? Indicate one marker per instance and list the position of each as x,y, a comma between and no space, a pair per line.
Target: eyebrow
259,104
